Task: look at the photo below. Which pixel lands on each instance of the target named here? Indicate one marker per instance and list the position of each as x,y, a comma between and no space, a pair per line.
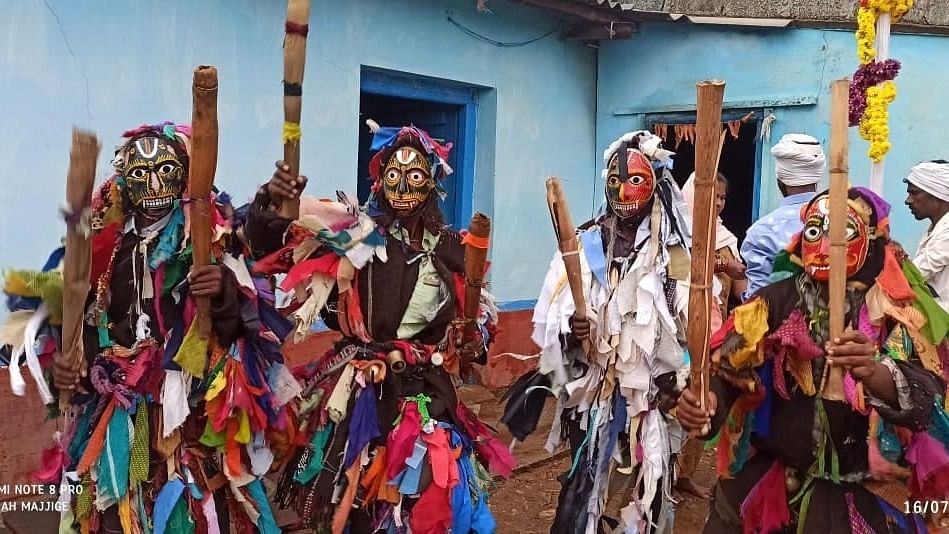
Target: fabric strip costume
168,432
612,402
383,442
790,461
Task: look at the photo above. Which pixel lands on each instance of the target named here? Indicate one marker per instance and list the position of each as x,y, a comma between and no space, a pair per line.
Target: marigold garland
874,127
869,99
866,35
867,76
896,8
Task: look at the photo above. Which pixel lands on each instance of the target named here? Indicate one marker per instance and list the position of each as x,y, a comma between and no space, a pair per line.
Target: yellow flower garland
875,124
866,35
896,8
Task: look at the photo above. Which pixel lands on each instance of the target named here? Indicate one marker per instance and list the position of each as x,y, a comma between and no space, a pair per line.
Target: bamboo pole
77,263
476,256
566,236
707,149
294,61
832,387
204,144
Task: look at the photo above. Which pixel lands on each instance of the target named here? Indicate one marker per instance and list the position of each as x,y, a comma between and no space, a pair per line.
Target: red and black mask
815,238
630,182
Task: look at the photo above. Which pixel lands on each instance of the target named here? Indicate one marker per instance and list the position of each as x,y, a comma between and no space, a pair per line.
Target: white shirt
148,231
932,260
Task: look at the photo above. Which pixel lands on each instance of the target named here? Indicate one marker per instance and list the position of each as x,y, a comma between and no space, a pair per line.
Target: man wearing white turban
927,196
799,165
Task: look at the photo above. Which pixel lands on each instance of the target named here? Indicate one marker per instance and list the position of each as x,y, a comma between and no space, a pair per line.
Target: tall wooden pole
832,387
708,144
476,257
566,236
77,263
201,178
294,60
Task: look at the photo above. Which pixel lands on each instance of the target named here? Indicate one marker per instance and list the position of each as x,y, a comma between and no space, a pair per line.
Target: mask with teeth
815,239
153,173
629,187
407,180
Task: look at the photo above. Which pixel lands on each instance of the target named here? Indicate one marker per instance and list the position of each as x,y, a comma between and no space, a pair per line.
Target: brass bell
396,361
791,480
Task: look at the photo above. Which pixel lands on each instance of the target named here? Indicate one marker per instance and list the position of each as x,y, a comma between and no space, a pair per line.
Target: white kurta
932,260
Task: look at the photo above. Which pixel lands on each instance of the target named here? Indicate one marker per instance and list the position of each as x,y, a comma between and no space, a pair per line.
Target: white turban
649,145
932,178
799,160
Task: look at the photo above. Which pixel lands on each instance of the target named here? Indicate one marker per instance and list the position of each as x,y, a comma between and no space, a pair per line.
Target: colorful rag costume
635,263
384,442
790,458
168,432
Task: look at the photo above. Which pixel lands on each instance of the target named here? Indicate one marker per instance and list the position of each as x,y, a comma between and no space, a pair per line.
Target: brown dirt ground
527,502
524,504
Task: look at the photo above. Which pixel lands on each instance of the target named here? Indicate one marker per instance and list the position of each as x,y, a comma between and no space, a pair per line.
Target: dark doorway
440,120
738,163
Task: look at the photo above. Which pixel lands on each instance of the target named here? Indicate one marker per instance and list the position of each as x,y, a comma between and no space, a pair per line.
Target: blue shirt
767,237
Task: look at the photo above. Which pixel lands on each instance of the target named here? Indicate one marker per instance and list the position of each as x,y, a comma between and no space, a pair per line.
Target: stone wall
925,12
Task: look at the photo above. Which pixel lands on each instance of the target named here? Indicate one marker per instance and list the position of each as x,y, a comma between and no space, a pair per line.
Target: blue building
778,60
526,90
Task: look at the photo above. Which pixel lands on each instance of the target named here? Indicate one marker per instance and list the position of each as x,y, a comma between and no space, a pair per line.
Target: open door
739,162
442,121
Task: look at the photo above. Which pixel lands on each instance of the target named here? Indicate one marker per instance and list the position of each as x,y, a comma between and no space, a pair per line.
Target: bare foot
687,485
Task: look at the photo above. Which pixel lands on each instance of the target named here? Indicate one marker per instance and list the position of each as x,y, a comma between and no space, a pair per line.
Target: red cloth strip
326,264
298,29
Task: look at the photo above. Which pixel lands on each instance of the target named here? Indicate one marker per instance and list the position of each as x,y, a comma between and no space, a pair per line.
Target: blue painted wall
107,67
541,109
660,65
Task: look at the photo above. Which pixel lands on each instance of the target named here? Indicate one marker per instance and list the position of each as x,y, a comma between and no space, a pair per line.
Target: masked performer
386,442
634,261
169,432
792,460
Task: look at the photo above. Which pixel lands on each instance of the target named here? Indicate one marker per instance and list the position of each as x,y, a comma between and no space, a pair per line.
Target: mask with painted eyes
407,180
153,173
815,240
629,192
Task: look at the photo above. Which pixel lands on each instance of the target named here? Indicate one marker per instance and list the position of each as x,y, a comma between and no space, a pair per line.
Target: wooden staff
78,261
201,177
832,387
707,147
476,256
294,60
569,247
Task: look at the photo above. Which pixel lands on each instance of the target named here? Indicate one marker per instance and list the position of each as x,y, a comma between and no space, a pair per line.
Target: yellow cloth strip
291,131
751,322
